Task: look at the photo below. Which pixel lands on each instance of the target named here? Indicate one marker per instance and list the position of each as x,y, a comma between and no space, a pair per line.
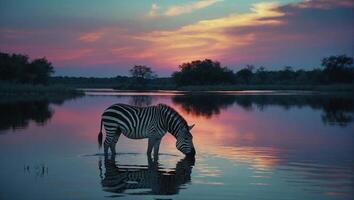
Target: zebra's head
178,127
184,141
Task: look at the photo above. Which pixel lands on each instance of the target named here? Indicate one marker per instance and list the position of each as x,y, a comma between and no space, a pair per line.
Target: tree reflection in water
205,105
141,179
17,113
337,109
140,100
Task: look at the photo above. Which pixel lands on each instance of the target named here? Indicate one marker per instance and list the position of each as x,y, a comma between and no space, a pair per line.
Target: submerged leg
110,141
105,146
151,144
114,142
156,148
150,160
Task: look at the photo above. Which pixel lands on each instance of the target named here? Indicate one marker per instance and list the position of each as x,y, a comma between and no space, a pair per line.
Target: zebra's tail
100,137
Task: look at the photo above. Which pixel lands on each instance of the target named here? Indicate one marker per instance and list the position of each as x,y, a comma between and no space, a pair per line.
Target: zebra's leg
156,148
151,144
114,142
150,161
110,137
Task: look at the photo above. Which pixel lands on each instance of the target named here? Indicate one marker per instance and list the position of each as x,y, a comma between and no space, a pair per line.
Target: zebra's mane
174,111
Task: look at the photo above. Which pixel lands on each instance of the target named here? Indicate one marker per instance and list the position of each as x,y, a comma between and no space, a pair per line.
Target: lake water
250,145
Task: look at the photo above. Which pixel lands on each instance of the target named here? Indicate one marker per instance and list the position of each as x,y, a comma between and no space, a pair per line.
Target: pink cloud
91,37
267,33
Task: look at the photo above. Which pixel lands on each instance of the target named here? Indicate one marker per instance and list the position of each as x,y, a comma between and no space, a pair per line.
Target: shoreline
7,89
324,88
275,87
67,90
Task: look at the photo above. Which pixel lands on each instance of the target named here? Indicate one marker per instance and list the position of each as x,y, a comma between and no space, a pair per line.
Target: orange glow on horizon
207,38
204,39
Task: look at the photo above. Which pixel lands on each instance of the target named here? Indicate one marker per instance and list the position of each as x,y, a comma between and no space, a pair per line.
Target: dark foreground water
250,145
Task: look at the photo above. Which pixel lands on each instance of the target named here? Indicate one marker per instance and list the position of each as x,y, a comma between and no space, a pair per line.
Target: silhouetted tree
142,74
245,74
261,75
38,71
11,66
205,72
315,76
287,74
17,68
339,68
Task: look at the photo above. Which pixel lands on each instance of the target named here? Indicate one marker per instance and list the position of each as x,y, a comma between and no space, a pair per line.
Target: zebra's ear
190,127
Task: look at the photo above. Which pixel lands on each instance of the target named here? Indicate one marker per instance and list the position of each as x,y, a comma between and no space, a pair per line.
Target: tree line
17,68
335,69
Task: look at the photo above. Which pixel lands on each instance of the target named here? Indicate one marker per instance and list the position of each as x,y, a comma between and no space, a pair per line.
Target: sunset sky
106,38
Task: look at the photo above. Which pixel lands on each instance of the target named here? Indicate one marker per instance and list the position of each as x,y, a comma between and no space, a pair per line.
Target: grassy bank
52,90
8,89
167,83
330,88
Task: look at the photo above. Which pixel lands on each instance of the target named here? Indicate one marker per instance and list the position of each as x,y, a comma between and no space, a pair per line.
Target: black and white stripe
145,122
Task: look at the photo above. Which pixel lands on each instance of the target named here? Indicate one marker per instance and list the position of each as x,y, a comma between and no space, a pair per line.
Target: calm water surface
250,145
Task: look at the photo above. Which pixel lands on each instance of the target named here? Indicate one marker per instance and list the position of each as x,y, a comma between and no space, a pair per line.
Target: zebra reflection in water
158,181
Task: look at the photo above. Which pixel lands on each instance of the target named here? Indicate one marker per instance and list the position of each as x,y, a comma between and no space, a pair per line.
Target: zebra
151,122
